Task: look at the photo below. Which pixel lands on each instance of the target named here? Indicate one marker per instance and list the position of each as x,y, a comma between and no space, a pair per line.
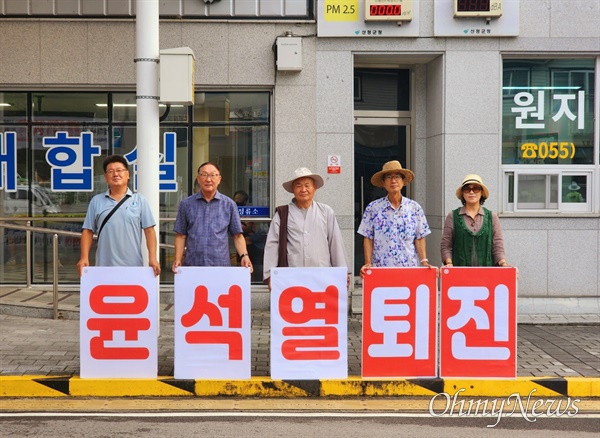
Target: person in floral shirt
394,227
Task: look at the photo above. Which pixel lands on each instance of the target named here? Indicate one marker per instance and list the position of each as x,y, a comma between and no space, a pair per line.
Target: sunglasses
395,177
474,189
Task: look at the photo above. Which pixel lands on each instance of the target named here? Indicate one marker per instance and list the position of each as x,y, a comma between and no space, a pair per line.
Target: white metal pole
147,70
147,56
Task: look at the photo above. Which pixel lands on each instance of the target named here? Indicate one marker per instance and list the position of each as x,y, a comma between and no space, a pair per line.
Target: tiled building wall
175,8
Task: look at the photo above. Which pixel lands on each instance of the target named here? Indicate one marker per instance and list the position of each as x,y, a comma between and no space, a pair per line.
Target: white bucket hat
303,172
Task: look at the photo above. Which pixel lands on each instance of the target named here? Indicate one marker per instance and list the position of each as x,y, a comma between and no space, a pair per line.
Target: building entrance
374,145
382,121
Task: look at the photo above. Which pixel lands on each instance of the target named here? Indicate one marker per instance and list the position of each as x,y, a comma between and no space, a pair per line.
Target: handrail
55,233
55,275
39,229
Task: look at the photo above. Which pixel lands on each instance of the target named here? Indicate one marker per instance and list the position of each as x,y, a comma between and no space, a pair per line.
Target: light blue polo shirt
120,243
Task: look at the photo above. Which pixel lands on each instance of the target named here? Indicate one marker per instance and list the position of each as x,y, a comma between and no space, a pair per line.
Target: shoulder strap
115,208
283,211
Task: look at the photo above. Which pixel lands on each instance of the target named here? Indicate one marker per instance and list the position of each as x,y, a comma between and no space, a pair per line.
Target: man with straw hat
394,227
313,236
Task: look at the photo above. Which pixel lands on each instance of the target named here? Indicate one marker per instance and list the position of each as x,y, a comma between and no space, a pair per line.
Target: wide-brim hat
392,167
574,186
303,172
472,179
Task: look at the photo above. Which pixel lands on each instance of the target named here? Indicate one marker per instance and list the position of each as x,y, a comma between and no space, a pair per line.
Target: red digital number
385,10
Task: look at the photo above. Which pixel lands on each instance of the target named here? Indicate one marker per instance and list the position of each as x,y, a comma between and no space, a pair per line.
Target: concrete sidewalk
556,356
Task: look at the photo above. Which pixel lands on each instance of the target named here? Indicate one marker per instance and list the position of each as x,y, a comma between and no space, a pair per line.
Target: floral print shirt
394,231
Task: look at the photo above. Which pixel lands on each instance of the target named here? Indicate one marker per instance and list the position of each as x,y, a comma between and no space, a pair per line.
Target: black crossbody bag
282,260
115,208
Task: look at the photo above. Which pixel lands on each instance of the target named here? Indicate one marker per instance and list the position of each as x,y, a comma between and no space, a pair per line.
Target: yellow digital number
553,150
543,150
564,150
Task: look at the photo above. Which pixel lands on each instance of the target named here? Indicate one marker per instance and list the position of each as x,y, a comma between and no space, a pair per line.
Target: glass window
576,192
240,108
537,192
243,156
232,130
548,113
52,182
234,133
69,191
175,182
574,188
173,112
68,251
70,107
513,78
166,254
13,107
548,133
124,109
13,256
381,90
175,179
530,190
21,139
124,139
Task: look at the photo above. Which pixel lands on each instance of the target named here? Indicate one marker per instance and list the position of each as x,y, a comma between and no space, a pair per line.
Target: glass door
382,119
376,142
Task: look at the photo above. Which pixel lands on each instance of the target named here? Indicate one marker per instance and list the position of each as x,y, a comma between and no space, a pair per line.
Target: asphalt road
234,417
290,425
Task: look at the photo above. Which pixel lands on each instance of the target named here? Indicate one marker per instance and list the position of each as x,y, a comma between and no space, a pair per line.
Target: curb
44,386
37,312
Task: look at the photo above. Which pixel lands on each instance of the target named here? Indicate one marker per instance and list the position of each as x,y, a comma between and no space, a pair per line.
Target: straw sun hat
392,167
472,179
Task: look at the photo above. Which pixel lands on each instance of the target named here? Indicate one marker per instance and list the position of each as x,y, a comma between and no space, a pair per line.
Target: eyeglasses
205,175
113,171
474,189
395,177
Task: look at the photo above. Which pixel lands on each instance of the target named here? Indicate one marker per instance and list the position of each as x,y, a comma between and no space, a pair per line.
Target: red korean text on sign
311,342
120,303
399,323
478,322
232,301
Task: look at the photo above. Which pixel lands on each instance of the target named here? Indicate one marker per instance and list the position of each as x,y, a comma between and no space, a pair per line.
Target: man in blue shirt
120,242
203,223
